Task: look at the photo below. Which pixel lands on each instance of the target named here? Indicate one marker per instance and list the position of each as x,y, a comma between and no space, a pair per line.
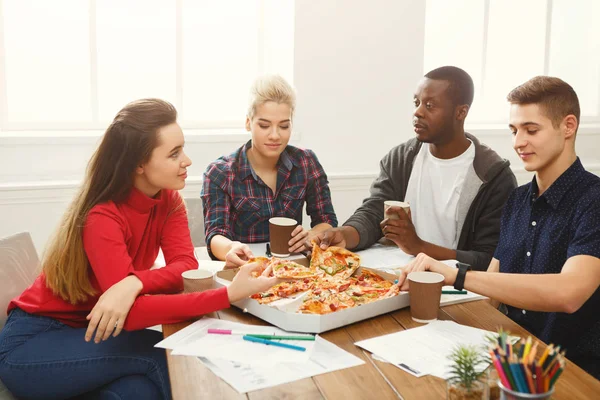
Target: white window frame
591,124
214,131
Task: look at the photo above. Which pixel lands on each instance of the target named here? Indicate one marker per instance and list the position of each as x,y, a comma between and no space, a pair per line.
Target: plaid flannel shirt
238,204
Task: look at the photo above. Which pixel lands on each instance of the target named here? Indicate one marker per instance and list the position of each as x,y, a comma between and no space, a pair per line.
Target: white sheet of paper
381,256
424,350
198,342
326,357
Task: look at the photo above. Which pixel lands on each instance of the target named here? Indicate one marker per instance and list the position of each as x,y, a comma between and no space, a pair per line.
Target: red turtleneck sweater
122,239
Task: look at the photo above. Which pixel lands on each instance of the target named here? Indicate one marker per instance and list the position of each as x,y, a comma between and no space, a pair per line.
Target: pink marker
234,332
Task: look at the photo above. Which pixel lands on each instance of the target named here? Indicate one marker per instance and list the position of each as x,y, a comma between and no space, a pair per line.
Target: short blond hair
271,88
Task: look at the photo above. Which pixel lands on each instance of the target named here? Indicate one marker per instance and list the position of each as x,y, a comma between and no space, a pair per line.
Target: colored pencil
528,377
533,352
545,354
557,374
527,347
501,374
521,348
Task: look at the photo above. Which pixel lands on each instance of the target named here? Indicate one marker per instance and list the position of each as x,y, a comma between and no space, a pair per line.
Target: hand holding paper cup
425,290
197,280
280,233
393,203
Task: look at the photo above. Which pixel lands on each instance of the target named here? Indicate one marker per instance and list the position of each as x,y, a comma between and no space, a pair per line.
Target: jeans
41,358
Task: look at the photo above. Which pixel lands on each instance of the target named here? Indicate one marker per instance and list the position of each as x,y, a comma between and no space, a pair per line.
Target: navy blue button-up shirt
537,236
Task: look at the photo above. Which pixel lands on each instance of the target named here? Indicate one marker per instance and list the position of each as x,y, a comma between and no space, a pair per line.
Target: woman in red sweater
96,281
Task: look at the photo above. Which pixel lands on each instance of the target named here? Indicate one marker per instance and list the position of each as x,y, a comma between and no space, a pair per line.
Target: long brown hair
127,143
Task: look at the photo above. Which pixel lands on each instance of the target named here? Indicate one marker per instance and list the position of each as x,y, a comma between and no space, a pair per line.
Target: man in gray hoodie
455,185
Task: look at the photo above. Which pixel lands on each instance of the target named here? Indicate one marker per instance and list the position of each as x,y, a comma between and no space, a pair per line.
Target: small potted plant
464,382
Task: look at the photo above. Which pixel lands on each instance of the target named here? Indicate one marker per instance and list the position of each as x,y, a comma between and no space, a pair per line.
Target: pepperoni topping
344,287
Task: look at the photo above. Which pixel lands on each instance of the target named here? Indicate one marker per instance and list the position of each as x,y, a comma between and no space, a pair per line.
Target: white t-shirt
433,193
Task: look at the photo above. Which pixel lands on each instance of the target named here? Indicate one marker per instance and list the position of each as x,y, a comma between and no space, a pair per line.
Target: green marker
276,337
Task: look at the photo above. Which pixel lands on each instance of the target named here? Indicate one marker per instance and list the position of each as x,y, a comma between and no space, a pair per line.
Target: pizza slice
324,301
284,290
262,261
334,261
286,269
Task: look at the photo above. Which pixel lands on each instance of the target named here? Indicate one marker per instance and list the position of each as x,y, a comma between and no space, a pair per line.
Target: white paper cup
393,203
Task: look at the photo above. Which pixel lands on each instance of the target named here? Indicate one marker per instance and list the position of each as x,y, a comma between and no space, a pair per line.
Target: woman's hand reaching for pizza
298,240
244,284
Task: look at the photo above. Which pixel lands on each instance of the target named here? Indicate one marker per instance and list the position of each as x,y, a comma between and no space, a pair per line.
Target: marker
234,332
276,337
454,292
273,343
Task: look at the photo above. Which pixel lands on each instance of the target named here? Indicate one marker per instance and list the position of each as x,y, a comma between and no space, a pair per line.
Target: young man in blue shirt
546,268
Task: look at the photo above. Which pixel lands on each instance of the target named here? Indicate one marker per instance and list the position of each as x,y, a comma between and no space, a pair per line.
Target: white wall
356,67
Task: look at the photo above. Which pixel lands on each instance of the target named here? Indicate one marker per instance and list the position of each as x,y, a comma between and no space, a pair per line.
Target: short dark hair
461,89
556,98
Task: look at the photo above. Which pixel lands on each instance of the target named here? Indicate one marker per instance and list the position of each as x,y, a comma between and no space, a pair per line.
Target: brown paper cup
389,203
197,280
280,233
425,289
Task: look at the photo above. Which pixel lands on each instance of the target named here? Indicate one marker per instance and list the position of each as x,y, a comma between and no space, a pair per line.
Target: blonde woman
96,274
264,178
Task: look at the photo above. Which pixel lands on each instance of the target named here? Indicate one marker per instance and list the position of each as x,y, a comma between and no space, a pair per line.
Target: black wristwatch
459,283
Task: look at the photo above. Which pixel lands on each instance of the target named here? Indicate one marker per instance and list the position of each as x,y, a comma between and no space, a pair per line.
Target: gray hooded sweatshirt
488,183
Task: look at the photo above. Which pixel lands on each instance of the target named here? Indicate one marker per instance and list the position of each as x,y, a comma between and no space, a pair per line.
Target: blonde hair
271,88
128,142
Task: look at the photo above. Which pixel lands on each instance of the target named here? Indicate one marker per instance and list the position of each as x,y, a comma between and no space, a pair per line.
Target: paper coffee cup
197,280
280,233
425,290
393,203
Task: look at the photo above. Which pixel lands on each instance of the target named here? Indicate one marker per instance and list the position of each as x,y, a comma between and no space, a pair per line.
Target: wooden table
373,380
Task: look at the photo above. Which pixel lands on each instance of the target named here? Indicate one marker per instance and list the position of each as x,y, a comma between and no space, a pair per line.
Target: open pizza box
284,316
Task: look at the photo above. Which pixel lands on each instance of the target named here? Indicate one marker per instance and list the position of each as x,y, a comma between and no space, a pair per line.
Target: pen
272,343
305,254
276,337
268,252
454,292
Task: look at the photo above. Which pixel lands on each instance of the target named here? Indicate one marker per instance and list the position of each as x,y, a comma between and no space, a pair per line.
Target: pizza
262,261
284,290
286,269
355,291
334,261
330,283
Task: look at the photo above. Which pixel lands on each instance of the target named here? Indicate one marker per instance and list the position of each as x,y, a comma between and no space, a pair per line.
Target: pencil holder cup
507,394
